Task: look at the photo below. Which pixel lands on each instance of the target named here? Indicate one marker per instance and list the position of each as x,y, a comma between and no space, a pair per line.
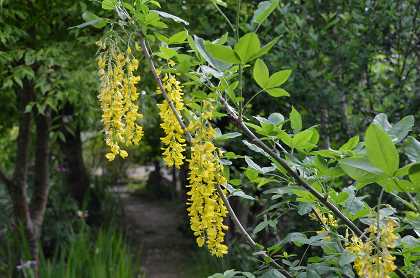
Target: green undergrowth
106,256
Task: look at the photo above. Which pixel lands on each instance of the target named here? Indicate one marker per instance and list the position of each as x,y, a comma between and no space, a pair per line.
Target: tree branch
189,140
240,124
251,242
162,88
232,114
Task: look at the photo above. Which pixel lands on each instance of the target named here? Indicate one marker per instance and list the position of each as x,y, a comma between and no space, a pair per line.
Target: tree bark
77,178
41,175
17,188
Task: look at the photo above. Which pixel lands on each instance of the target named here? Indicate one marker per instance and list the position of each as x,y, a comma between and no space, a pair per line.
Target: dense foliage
277,110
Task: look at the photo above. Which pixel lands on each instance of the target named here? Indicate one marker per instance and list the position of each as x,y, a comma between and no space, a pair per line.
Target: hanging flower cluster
173,141
326,219
375,261
206,208
118,98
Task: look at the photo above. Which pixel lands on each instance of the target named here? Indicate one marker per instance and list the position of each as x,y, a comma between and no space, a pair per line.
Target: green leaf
260,73
177,38
247,46
277,92
414,174
302,140
340,198
222,53
227,136
295,120
220,3
199,44
91,19
266,48
401,129
285,138
161,37
382,120
411,149
166,52
265,8
255,148
346,258
278,78
329,153
171,16
350,144
360,169
153,19
381,151
109,4
406,186
256,167
238,193
261,226
223,39
403,171
241,194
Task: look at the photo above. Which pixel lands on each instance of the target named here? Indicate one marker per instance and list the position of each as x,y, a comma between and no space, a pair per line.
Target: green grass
105,257
88,254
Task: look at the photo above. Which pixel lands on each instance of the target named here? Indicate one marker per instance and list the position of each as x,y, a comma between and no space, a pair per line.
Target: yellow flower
374,261
118,98
173,140
324,219
388,236
206,209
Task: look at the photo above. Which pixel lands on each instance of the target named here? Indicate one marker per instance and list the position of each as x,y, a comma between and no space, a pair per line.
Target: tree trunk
41,176
77,178
18,184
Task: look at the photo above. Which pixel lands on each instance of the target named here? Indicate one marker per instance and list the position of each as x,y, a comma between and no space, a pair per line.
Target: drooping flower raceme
375,261
173,139
206,208
118,98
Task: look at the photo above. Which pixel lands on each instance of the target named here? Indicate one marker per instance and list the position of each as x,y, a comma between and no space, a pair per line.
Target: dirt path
155,226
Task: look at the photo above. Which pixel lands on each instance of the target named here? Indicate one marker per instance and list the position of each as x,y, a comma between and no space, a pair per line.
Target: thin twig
162,89
246,234
235,218
225,17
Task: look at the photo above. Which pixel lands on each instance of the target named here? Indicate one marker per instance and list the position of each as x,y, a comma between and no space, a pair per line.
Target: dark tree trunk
17,186
77,178
41,175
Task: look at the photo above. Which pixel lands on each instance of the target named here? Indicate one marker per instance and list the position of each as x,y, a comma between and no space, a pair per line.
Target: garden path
155,226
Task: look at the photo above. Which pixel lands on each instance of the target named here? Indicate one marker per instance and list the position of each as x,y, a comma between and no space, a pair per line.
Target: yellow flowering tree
352,233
